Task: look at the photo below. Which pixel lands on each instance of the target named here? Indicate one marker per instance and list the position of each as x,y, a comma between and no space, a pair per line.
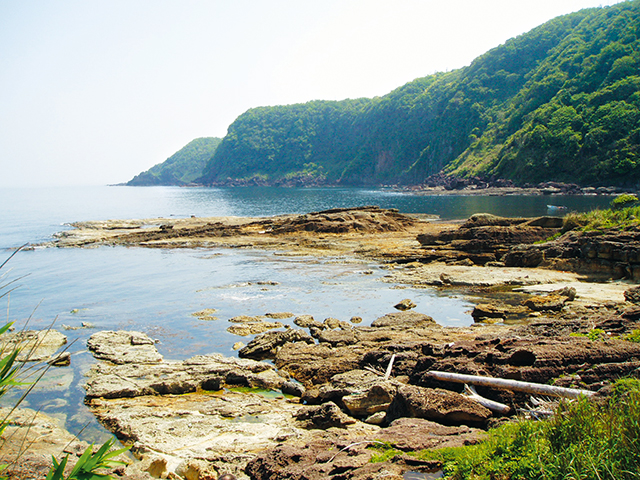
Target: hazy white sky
93,92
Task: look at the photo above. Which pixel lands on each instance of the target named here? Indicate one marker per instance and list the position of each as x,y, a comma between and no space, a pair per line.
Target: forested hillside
182,167
561,102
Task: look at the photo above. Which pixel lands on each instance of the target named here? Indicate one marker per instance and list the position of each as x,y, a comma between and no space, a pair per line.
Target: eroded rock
206,372
265,346
324,416
442,406
252,328
34,345
123,347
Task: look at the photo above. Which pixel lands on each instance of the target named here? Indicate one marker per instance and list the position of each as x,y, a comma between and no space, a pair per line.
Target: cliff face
558,103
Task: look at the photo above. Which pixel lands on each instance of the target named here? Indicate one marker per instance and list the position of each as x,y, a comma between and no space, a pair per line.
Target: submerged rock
34,345
251,328
123,347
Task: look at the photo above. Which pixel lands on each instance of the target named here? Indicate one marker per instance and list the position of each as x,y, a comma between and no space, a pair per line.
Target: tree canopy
561,102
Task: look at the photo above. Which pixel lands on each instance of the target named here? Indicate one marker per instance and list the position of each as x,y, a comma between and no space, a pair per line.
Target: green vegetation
88,464
598,220
585,439
634,336
182,167
623,201
595,335
561,102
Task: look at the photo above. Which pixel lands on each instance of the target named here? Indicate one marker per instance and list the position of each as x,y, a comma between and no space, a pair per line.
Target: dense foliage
560,102
182,167
585,439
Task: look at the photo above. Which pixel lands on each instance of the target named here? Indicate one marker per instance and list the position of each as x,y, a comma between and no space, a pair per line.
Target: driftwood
470,392
389,367
514,385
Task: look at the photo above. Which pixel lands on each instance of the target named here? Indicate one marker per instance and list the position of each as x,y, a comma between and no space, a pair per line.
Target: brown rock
539,303
403,320
493,310
632,295
266,345
324,416
442,406
414,434
306,321
279,315
316,364
244,329
404,305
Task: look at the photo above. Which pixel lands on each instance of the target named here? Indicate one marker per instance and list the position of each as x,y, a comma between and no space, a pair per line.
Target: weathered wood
514,385
389,367
470,392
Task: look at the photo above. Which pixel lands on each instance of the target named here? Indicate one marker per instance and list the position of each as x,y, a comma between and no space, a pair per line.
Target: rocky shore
313,401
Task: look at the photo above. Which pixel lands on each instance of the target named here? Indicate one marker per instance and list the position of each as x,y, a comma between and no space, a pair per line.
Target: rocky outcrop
346,220
485,238
266,345
204,372
442,406
217,428
361,393
333,459
324,416
611,254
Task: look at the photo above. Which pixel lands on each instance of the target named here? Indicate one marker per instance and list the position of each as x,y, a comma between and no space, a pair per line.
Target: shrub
584,440
623,201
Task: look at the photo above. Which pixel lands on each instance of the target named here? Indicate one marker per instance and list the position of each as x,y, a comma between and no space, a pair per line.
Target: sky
92,92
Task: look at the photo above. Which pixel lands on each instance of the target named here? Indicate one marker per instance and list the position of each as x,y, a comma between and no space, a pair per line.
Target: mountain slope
560,103
182,167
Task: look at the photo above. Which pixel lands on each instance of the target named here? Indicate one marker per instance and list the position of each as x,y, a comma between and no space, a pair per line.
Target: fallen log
514,385
470,392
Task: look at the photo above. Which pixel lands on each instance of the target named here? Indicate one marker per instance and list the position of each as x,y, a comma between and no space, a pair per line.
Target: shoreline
526,319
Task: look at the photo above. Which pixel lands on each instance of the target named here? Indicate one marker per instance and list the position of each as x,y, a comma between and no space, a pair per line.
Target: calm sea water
157,291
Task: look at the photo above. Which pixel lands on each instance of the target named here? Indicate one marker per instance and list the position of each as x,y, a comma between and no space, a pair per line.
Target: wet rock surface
44,437
34,345
358,383
123,347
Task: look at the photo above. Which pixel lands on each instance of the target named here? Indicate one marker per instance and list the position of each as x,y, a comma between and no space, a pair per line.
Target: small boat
554,208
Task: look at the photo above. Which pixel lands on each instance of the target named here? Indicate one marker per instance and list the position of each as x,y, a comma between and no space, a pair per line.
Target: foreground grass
623,214
585,440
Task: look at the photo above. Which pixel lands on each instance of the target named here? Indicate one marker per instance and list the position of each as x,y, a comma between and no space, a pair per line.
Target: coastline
329,395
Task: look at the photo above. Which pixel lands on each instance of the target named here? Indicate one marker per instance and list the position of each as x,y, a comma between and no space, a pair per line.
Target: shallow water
157,291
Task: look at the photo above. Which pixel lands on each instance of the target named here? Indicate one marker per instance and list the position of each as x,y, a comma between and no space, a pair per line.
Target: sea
157,291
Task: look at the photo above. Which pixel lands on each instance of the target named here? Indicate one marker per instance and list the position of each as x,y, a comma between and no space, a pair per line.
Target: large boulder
438,405
360,392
